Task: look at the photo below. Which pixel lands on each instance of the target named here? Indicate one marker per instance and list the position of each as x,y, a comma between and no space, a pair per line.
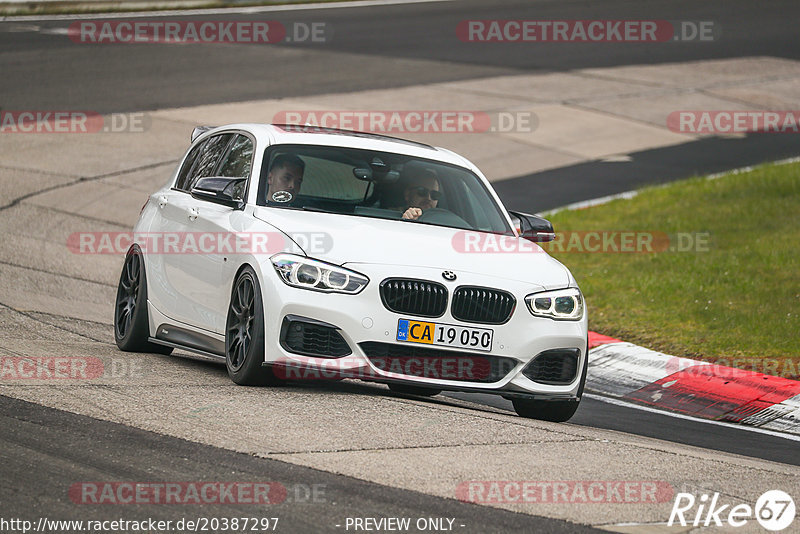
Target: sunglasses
424,192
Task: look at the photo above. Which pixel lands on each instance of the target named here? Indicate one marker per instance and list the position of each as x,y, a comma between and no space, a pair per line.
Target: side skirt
180,338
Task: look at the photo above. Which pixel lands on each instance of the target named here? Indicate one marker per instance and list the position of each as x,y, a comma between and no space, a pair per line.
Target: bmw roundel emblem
449,275
282,196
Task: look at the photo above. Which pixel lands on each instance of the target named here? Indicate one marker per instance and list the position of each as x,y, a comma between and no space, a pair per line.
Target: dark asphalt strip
585,181
44,451
374,47
598,414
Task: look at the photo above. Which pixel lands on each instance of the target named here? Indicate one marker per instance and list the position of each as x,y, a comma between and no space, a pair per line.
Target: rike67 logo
774,510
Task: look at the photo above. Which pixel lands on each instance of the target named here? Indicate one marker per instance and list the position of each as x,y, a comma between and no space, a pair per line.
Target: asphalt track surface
376,47
50,449
372,48
381,47
598,414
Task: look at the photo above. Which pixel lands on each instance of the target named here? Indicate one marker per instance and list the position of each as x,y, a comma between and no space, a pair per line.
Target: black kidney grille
412,360
554,366
415,297
473,304
313,339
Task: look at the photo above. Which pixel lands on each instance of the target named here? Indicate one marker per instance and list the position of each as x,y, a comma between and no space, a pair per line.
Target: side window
209,158
183,175
239,159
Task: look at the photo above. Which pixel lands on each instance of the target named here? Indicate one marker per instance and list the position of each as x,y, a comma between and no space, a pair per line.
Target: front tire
555,411
131,323
244,333
413,390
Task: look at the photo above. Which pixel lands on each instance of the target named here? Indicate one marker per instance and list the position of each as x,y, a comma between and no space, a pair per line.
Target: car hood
346,239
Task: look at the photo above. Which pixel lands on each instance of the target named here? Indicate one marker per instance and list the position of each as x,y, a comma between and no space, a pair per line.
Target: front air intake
557,367
309,337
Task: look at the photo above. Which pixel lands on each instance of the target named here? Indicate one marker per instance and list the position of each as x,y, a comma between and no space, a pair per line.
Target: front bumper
362,321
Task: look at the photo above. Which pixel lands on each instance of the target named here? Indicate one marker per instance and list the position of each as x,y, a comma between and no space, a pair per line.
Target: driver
421,193
285,174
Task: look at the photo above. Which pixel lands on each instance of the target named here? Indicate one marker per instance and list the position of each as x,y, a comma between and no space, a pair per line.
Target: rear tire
244,334
555,411
131,323
414,390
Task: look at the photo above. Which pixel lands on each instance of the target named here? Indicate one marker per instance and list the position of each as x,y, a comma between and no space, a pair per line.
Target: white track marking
733,426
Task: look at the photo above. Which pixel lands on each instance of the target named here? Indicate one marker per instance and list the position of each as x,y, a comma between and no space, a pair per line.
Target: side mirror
533,228
220,190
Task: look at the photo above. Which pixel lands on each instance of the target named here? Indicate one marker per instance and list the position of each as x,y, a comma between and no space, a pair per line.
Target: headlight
299,271
563,304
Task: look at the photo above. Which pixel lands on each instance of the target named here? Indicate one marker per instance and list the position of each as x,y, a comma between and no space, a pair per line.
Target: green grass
740,299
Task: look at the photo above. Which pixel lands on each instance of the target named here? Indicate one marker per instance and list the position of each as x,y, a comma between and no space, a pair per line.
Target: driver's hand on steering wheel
412,214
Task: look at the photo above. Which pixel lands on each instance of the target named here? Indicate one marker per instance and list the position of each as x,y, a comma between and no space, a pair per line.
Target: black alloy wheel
244,333
131,324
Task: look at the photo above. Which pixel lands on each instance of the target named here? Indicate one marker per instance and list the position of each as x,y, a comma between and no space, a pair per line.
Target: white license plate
448,335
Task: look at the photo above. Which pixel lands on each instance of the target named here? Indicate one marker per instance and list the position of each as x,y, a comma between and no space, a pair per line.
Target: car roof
279,134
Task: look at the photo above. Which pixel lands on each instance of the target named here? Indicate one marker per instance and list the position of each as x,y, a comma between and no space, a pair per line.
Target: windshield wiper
300,208
317,210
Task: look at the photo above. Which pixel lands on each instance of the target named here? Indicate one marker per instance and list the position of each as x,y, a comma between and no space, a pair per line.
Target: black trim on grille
414,297
475,304
557,366
409,359
310,337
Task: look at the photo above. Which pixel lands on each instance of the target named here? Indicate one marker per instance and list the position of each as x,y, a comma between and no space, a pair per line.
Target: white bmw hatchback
297,253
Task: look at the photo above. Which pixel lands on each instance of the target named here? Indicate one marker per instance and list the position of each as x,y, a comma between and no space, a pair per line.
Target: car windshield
375,184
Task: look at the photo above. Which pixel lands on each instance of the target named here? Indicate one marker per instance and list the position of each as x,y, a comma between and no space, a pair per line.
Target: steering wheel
443,217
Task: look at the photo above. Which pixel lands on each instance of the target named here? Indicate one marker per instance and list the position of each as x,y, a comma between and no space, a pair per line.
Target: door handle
193,213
